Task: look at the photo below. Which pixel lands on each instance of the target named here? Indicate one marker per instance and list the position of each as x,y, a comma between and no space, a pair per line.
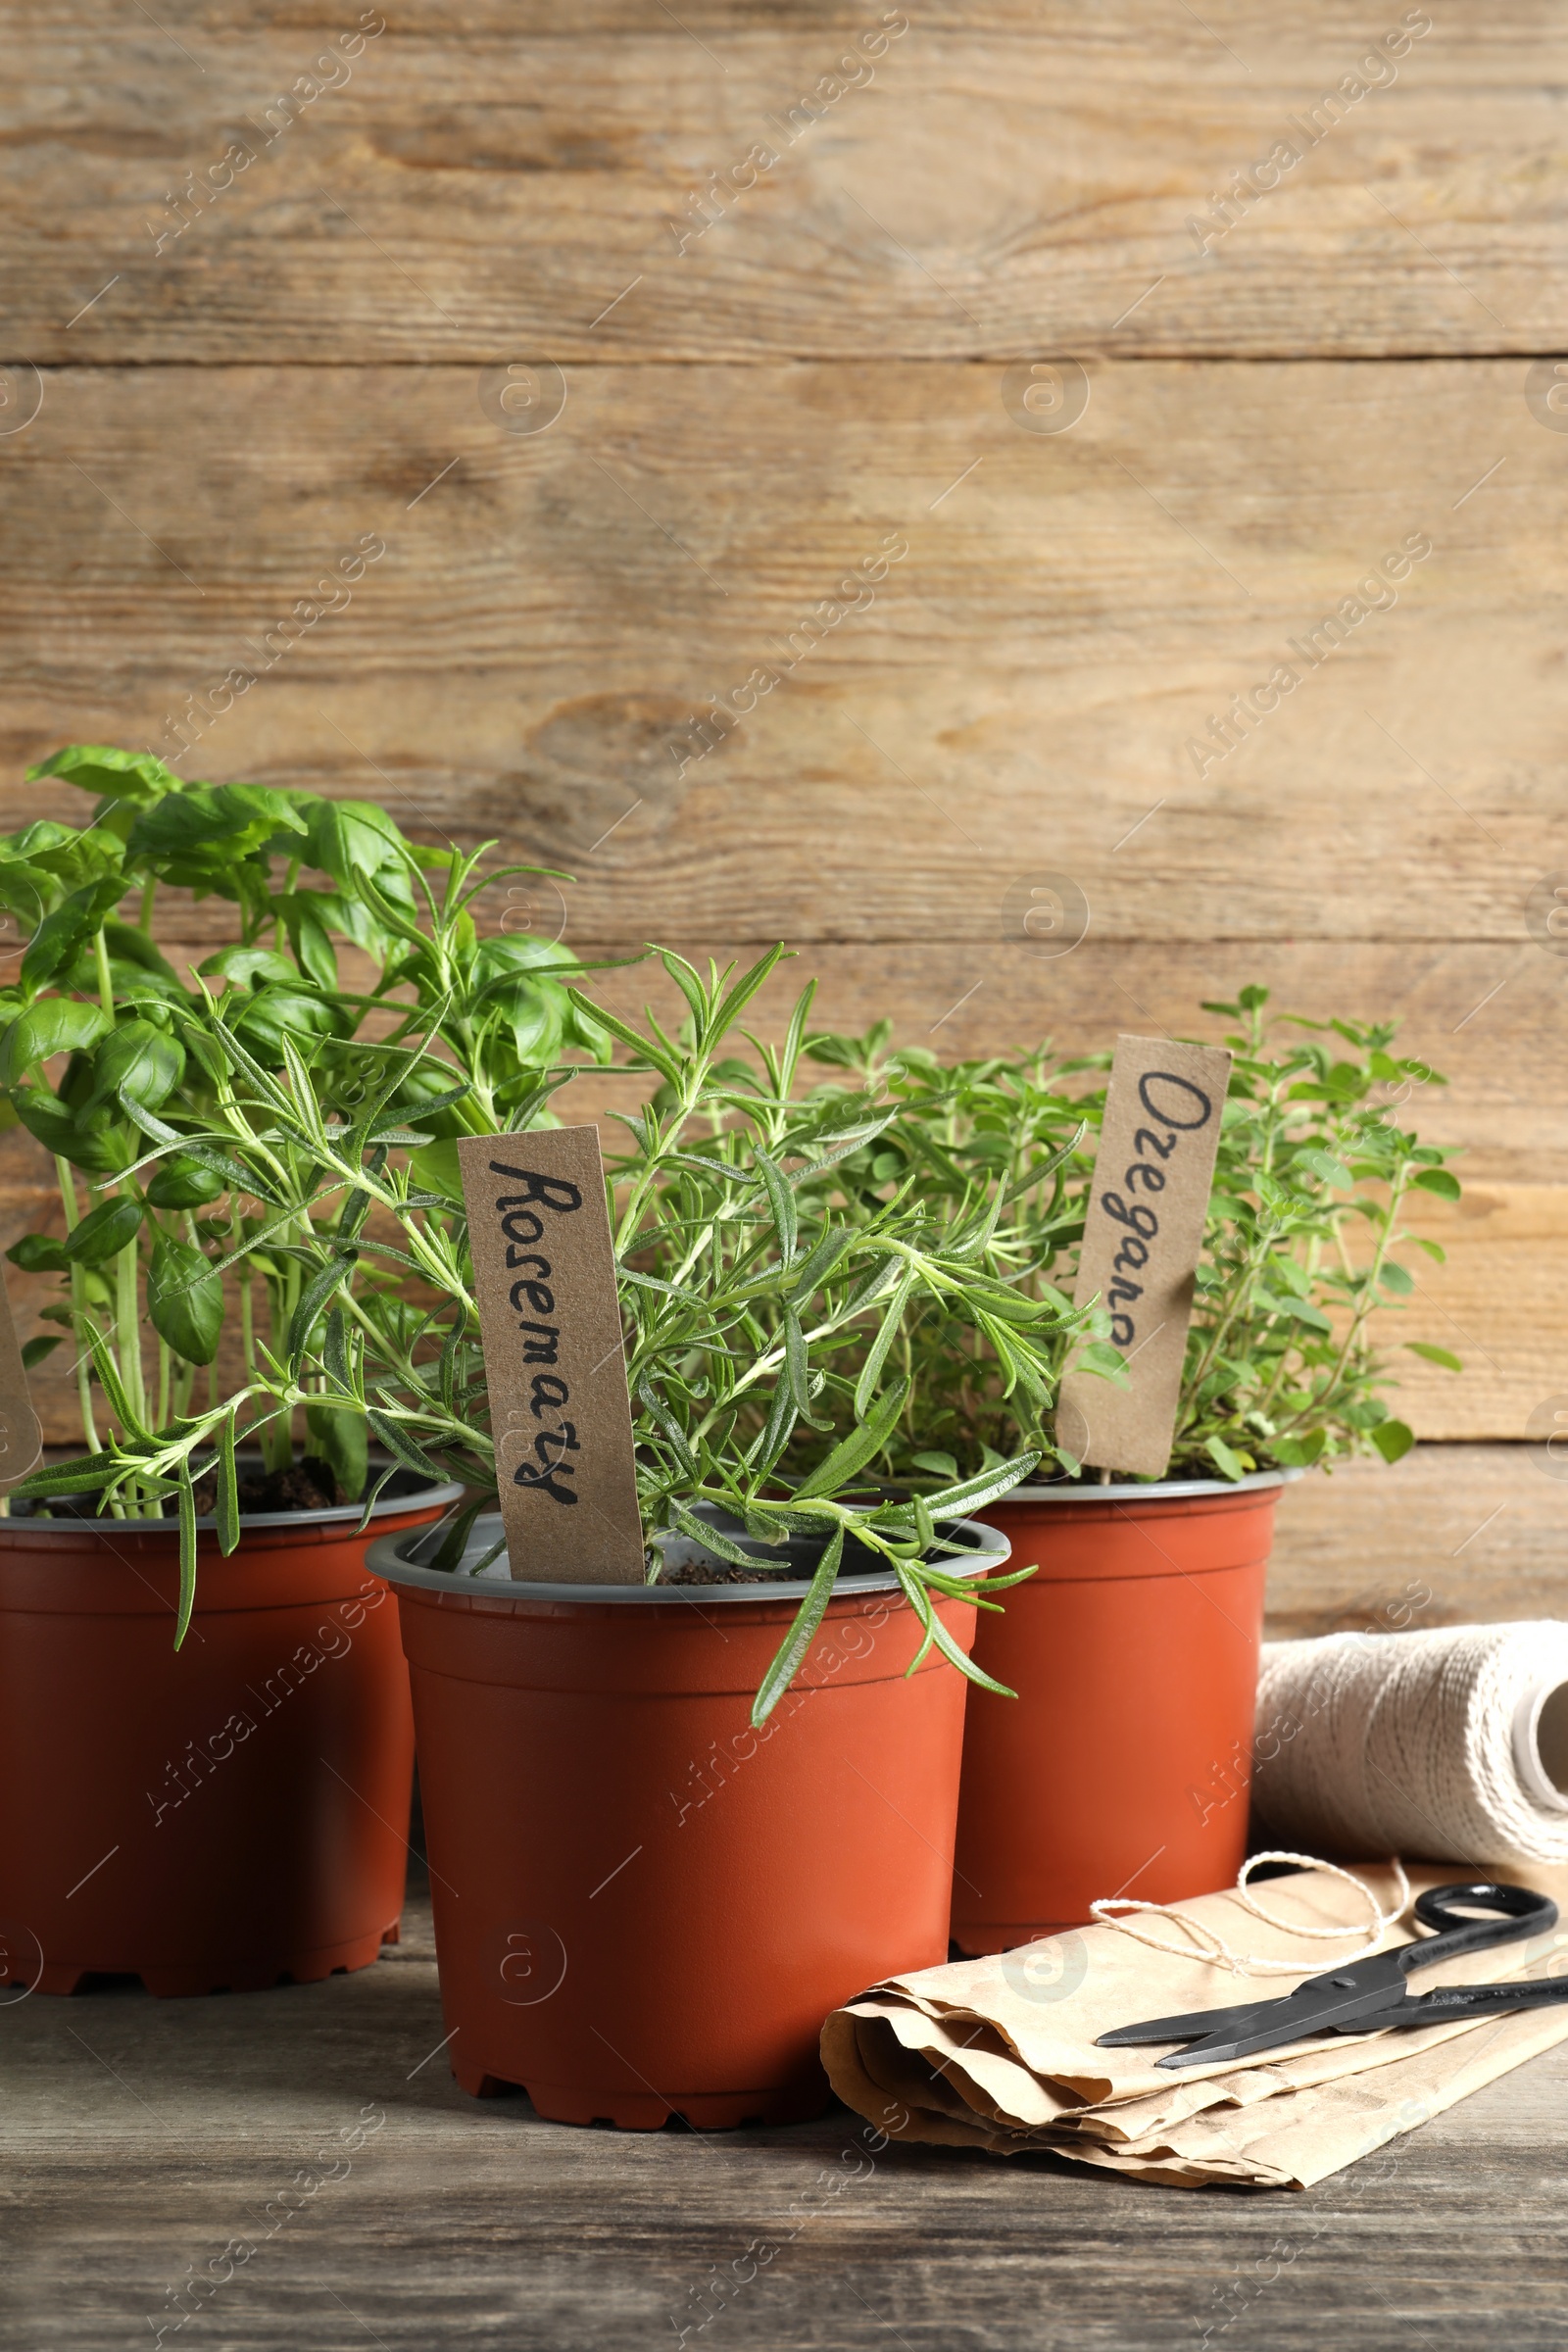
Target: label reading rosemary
21,1433
1142,1239
544,1271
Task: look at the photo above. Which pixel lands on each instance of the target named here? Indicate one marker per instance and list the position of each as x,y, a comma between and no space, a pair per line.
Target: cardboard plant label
20,1432
1143,1236
543,1270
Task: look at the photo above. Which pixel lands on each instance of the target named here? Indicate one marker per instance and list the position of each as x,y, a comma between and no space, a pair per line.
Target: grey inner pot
1144,1489
401,1559
70,1513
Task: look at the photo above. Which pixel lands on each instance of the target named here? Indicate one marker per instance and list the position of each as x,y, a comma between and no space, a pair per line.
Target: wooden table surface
151,2143
142,2138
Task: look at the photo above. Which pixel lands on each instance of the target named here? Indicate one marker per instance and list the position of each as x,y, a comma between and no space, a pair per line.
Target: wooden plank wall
790,270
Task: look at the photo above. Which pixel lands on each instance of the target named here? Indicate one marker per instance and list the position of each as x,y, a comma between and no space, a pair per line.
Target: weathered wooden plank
147,2138
1047,680
481,187
1454,1535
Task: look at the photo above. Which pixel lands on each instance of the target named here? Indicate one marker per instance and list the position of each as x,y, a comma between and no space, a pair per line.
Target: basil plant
125,1071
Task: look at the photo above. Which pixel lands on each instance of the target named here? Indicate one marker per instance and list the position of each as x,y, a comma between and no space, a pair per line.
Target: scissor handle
1514,1911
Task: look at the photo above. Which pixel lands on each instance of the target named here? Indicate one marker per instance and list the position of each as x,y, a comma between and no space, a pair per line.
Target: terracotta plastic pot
643,1907
211,1819
1122,1766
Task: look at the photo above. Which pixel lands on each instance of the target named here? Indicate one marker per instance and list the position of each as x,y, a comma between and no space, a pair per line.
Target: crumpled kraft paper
999,2053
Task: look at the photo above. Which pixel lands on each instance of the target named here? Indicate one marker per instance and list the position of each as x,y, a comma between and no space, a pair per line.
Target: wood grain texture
1454,1535
1018,702
482,185
1033,685
300,367
144,2137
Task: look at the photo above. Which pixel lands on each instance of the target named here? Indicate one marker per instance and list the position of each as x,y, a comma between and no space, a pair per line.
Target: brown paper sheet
999,2055
543,1270
1142,1240
21,1433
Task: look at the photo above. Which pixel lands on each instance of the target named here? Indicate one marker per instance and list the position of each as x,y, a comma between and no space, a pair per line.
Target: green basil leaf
350,838
139,1063
435,1169
248,968
184,1183
139,777
275,1014
185,1300
307,934
61,935
39,1253
104,1232
200,832
54,1025
129,946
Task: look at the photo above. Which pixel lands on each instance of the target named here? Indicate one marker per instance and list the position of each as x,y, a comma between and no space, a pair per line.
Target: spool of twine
1451,1745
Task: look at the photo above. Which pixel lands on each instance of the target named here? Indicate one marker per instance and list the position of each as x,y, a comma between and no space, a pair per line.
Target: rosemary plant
745,1291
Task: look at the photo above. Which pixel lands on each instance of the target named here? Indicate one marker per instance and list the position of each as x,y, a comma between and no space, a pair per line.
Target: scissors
1366,1995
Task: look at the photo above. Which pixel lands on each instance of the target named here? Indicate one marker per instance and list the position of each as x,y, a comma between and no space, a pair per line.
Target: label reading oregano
544,1269
1143,1234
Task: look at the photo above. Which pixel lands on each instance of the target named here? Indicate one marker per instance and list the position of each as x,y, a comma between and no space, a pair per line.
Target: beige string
1413,1743
1208,1944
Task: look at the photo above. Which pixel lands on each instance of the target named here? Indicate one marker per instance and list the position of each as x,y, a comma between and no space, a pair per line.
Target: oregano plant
1306,1246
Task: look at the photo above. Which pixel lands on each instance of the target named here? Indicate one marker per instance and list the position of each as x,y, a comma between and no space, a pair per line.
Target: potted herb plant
1124,1766
630,1790
204,1712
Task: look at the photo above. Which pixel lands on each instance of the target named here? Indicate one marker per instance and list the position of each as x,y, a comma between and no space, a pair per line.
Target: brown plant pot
643,1907
217,1818
1122,1767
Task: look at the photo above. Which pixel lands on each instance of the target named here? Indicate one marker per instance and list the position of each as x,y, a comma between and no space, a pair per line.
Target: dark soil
720,1572
307,1485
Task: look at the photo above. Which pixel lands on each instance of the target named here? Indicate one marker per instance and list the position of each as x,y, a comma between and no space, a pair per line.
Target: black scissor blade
1356,1998
1181,2029
1278,2023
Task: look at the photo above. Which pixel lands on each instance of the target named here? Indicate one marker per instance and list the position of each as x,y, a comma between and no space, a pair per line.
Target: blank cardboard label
543,1270
1143,1237
21,1435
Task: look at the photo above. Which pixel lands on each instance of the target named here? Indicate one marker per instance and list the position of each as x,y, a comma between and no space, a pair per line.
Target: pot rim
990,1548
327,1515
1159,1490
